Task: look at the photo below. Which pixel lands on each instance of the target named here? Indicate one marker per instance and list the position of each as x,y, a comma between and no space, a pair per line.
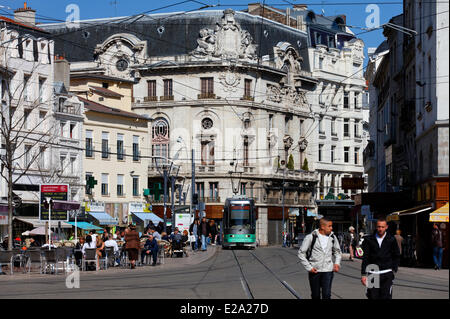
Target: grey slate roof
181,31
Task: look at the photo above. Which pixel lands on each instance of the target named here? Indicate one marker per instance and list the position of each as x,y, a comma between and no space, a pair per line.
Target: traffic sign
57,192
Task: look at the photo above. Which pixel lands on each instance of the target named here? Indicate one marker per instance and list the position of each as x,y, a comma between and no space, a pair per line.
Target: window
136,153
246,163
26,89
72,130
270,121
26,119
346,127
320,152
356,155
62,126
42,119
27,157
333,151
168,87
356,101
320,63
357,128
151,85
201,190
333,126
105,149
160,140
88,190
346,154
119,185
62,160
41,90
207,86
321,131
207,152
105,184
135,185
331,42
300,129
243,188
214,191
72,164
247,88
89,144
42,157
120,147
35,51
346,106
318,38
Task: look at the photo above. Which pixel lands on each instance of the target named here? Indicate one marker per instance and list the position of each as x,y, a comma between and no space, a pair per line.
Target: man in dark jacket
150,247
380,261
436,241
203,232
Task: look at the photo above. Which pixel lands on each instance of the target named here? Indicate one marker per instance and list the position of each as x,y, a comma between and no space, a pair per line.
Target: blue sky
356,14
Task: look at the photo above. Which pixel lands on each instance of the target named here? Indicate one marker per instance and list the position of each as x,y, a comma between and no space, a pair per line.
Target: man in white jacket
320,254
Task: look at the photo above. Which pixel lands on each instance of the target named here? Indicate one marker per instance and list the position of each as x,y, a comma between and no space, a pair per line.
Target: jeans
204,245
195,243
153,252
321,281
384,291
437,256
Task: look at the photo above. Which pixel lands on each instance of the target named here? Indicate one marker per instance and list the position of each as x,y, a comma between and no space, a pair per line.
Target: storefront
141,214
338,211
96,214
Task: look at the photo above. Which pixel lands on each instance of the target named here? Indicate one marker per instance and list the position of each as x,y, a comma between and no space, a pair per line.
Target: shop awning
145,217
440,215
41,223
85,225
104,218
395,216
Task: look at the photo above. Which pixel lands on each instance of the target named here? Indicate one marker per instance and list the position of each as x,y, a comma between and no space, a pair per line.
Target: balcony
206,96
248,98
215,199
166,98
249,169
150,98
69,108
206,168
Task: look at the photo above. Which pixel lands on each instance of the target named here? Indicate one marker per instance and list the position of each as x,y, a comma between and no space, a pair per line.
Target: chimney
253,6
301,25
300,7
62,71
288,17
25,15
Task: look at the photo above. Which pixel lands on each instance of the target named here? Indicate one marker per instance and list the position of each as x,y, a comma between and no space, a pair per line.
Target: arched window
160,140
311,17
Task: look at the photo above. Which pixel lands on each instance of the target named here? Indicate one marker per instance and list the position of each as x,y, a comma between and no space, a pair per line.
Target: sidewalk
413,271
193,258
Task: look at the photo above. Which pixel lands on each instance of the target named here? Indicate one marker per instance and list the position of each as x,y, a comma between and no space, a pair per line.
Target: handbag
359,252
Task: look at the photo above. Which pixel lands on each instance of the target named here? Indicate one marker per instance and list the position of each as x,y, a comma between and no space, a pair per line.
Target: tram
239,222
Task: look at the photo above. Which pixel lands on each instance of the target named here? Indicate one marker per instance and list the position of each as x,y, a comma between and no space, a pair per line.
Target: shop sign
56,192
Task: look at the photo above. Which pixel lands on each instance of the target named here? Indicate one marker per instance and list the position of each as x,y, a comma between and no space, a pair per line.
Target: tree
290,164
305,165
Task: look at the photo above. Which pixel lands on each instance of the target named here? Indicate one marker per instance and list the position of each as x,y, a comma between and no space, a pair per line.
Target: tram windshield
240,216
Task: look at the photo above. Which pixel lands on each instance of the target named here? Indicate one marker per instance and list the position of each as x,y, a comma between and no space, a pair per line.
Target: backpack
309,251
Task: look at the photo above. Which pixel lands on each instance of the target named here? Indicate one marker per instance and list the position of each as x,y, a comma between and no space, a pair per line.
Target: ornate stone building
235,88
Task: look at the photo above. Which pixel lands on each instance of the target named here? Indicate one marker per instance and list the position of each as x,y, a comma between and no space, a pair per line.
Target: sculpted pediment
226,41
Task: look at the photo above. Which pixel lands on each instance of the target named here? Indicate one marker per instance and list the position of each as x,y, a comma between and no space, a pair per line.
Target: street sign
57,192
352,182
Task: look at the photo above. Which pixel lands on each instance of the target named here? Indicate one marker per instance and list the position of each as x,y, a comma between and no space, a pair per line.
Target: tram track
245,282
395,280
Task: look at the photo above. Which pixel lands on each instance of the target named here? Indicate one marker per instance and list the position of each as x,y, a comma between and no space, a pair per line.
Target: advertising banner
56,192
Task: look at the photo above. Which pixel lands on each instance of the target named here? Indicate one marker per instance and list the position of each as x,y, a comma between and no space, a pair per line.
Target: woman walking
132,245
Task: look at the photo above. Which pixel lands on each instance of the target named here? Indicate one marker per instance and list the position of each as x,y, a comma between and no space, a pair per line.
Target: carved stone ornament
273,94
292,96
230,80
287,141
302,144
227,40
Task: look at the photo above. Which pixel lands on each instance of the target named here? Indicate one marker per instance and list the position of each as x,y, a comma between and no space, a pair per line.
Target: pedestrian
380,252
78,252
132,244
320,254
436,242
193,230
351,240
150,248
400,241
213,231
204,232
